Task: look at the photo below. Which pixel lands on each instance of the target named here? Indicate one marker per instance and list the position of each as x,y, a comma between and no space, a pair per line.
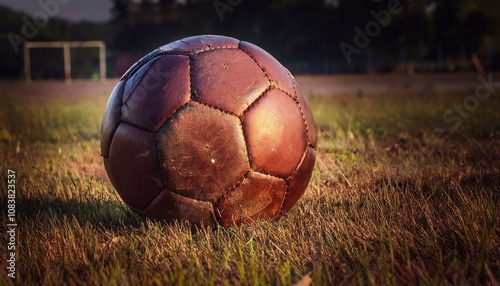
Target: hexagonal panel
258,196
278,75
275,134
203,152
111,118
169,207
306,109
298,181
133,166
195,44
162,90
227,79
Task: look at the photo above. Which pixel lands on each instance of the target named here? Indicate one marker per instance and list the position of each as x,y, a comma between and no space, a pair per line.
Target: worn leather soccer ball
208,129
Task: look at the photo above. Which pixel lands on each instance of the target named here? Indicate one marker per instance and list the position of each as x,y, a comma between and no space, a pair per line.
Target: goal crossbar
66,46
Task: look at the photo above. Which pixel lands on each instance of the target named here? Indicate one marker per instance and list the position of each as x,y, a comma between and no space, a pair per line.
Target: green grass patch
388,203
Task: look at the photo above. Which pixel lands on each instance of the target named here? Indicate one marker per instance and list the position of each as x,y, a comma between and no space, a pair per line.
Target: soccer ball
208,129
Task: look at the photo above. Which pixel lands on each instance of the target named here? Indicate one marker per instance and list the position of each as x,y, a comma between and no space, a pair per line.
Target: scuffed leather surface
227,79
306,111
169,207
196,44
299,180
111,118
204,122
276,73
161,91
132,166
258,196
202,152
275,133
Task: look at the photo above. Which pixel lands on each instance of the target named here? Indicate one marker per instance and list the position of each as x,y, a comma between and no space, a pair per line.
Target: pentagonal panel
132,166
111,118
275,134
258,196
306,110
162,90
202,151
195,44
227,79
275,71
170,207
299,180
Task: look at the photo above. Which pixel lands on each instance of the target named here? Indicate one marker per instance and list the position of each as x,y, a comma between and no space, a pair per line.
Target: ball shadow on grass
101,214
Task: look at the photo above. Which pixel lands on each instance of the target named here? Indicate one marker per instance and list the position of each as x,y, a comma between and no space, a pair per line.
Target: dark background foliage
305,35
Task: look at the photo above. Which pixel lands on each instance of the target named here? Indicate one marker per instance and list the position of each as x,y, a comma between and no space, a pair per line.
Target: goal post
66,46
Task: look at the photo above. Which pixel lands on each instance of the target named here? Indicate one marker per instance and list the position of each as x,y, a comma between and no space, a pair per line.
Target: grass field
390,202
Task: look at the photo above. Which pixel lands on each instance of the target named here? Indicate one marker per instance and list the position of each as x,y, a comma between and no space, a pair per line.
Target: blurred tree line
305,35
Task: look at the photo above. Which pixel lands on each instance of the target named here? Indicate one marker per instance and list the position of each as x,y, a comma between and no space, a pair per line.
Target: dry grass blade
386,204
